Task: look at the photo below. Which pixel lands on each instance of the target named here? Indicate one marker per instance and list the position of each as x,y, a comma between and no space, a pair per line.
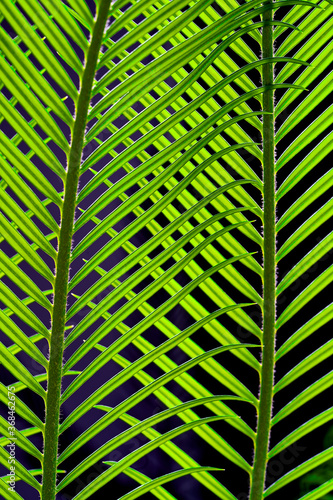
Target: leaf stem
269,276
51,435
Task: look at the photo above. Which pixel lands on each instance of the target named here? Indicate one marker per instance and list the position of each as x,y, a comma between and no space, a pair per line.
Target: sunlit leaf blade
211,483
164,479
319,125
309,74
145,218
138,426
8,494
28,169
309,362
27,195
33,77
19,243
31,137
34,42
313,18
108,354
20,386
137,301
132,457
317,285
305,467
307,329
20,371
303,397
20,470
103,390
21,408
318,493
83,12
18,307
20,439
159,492
316,190
17,335
305,230
31,104
23,281
303,430
313,100
24,223
66,20
322,249
305,166
140,255
157,284
53,34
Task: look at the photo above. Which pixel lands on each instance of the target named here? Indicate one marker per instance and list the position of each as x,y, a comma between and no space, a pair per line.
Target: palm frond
133,138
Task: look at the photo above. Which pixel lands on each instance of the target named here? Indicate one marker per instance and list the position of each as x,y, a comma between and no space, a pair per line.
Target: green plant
321,474
173,104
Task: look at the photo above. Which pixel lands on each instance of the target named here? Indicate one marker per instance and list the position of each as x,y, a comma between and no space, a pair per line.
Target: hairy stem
269,305
51,435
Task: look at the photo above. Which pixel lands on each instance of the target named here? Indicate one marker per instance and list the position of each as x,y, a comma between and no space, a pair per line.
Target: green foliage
134,135
321,475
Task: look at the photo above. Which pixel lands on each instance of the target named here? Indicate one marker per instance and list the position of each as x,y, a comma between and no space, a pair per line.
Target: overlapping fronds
133,135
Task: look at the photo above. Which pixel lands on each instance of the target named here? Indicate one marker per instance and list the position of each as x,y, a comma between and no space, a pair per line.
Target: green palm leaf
133,135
